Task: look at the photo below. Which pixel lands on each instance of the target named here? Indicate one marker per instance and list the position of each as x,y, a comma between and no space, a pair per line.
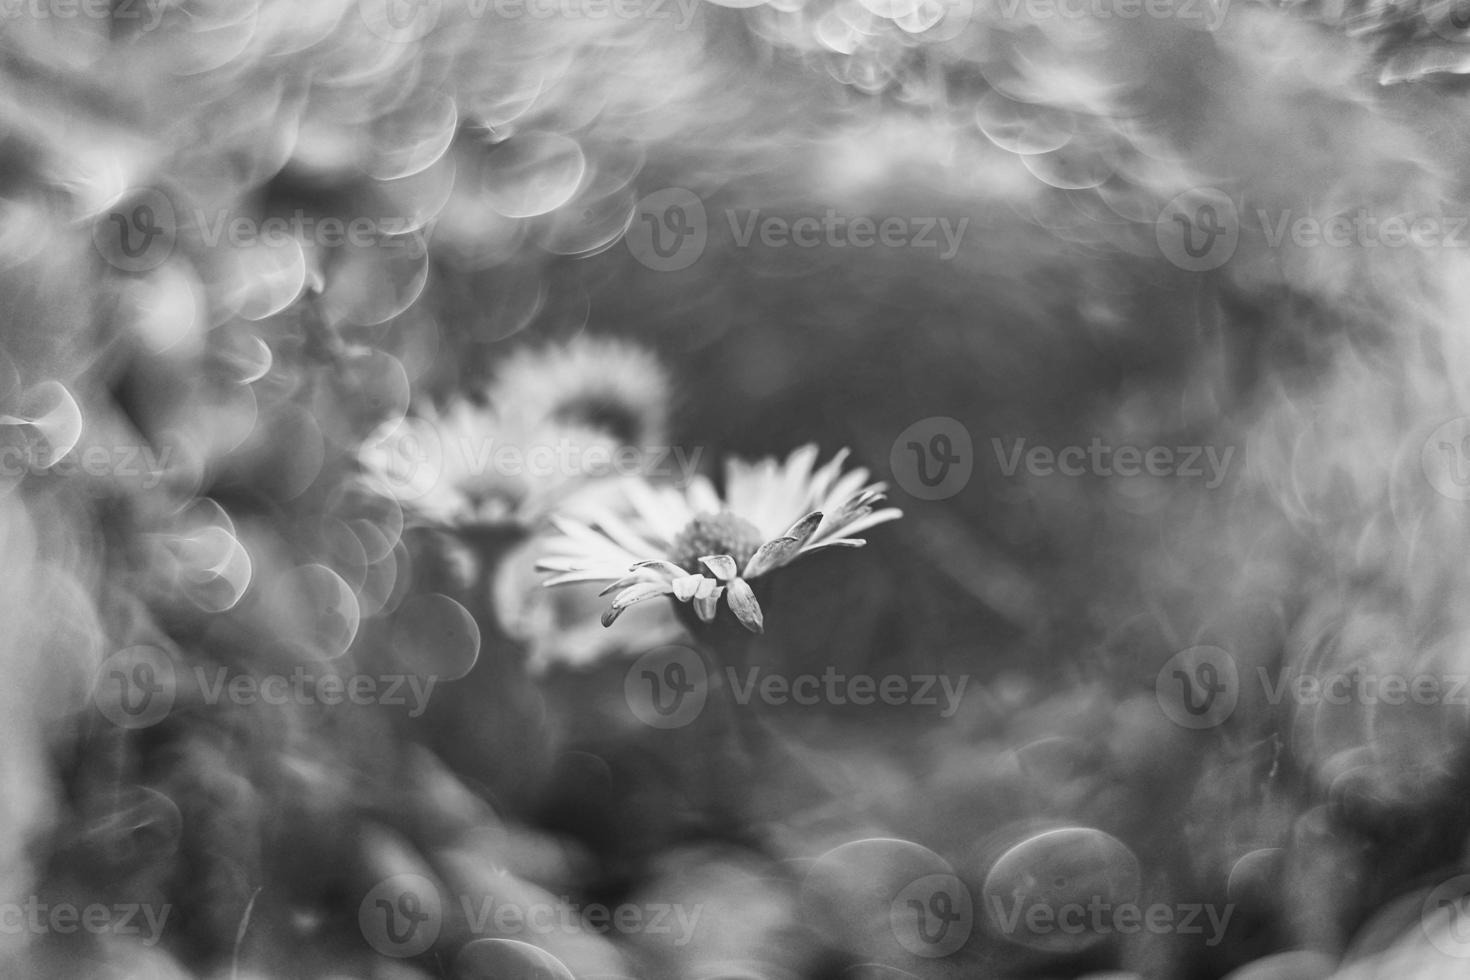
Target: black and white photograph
734,489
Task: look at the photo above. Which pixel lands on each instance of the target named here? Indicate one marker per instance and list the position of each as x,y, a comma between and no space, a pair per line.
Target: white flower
697,546
589,383
528,442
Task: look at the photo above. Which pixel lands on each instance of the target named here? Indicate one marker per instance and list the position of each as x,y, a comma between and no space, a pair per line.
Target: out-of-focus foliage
492,164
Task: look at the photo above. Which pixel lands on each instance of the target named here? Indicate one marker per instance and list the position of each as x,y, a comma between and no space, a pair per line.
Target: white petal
771,555
581,575
834,543
702,497
621,533
655,508
851,511
746,608
847,487
639,592
802,458
706,607
823,479
561,563
870,520
721,567
687,588
804,528
752,491
797,480
596,546
622,583
658,566
739,485
775,507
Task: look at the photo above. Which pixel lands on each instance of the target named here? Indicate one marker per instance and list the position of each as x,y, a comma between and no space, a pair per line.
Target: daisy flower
698,547
594,383
525,444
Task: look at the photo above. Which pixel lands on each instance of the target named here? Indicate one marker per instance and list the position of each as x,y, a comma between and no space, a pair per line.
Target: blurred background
285,697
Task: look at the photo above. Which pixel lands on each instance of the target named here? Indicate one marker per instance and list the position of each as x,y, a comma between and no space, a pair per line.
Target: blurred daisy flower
537,435
589,383
696,546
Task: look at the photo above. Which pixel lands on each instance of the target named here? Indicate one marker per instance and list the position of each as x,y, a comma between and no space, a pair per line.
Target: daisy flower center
715,534
604,413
